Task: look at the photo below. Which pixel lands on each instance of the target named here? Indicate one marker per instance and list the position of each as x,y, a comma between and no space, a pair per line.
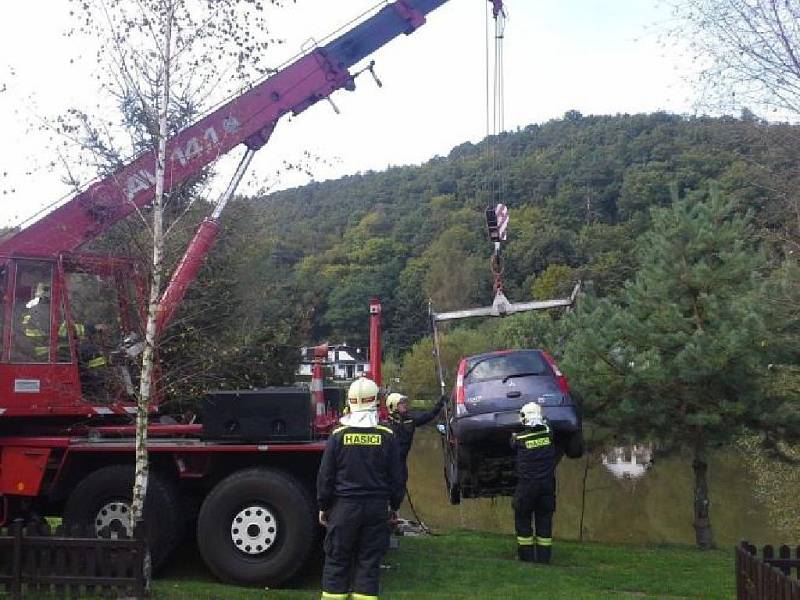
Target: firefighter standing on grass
535,496
360,481
404,422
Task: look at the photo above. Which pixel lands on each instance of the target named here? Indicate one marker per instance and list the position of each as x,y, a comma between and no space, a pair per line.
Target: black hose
416,515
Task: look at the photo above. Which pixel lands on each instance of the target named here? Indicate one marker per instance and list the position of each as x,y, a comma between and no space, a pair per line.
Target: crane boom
248,119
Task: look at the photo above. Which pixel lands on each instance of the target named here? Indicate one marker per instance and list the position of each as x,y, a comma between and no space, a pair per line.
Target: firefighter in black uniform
359,481
404,423
535,495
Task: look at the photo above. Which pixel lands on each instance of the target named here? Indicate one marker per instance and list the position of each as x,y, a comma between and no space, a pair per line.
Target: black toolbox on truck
273,414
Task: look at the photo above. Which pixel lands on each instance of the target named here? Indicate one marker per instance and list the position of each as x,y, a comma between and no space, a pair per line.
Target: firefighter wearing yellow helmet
360,486
534,497
404,422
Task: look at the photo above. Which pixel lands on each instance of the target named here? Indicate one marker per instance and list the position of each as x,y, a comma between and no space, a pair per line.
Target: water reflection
628,462
657,509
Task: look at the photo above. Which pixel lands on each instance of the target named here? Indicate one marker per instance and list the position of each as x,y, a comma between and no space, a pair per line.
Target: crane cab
63,324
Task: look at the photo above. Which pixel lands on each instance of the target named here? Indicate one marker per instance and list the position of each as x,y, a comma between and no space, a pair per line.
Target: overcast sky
595,56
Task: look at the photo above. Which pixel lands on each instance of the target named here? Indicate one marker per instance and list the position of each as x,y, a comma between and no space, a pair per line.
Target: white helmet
530,415
362,395
393,400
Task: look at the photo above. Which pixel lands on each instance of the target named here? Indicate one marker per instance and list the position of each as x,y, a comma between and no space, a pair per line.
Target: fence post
738,566
785,552
745,575
16,565
797,569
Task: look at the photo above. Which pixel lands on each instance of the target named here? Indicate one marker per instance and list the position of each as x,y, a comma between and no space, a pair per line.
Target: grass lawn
483,565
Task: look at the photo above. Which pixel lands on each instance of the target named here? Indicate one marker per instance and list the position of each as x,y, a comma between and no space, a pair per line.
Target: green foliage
455,271
530,330
418,374
775,483
410,317
239,326
679,357
348,303
580,190
556,281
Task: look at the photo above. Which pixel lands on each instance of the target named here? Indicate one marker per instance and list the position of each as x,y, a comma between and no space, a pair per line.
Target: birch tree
162,62
748,51
749,54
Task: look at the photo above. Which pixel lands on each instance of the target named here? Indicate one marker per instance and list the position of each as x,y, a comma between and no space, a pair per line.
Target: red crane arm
248,119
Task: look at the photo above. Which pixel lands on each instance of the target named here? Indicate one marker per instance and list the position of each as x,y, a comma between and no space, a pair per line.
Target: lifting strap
495,113
437,355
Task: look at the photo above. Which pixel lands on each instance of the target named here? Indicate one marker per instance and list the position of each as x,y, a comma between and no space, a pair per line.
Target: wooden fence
36,562
774,576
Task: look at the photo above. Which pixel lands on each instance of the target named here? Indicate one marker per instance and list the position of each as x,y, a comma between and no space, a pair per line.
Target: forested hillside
579,188
298,266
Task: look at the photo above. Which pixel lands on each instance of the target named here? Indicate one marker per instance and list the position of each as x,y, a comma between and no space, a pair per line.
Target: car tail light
461,393
560,379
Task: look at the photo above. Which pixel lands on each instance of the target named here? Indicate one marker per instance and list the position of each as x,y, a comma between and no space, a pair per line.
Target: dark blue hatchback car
483,411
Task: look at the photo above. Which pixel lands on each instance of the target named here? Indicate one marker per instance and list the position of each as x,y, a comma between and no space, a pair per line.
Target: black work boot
526,553
543,554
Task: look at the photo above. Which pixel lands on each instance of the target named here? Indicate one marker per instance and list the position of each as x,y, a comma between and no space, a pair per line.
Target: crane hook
371,69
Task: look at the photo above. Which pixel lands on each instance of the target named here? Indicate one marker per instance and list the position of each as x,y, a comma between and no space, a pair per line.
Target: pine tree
679,357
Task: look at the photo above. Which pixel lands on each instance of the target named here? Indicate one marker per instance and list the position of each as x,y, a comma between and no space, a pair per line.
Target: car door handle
513,394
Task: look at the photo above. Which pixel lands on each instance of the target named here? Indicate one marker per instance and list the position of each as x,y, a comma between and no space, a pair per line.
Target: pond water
626,500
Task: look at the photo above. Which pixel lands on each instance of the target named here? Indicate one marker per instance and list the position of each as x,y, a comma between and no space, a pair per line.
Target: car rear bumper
498,426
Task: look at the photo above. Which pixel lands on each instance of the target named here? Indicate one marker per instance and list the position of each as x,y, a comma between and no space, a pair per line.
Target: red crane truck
246,474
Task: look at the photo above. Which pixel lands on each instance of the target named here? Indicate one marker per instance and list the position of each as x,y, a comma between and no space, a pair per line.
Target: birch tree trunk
153,307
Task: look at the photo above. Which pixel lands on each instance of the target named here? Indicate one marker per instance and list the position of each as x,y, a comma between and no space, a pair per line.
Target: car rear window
499,366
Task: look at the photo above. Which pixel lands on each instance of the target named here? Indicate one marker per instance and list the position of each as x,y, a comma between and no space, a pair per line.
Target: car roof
500,353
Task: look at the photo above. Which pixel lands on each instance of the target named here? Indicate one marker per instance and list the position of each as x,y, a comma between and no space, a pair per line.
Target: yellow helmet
362,395
393,400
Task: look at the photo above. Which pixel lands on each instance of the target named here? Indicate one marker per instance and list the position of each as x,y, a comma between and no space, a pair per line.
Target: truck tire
574,445
103,498
257,527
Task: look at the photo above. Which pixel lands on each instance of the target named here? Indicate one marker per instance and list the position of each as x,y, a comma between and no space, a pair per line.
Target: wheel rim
114,517
254,529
